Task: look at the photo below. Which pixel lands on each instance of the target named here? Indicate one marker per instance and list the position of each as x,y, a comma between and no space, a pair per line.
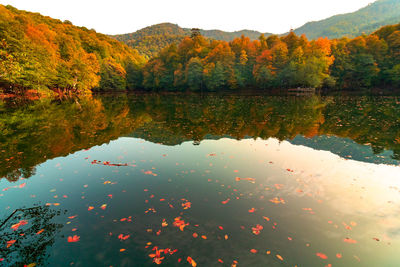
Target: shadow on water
27,235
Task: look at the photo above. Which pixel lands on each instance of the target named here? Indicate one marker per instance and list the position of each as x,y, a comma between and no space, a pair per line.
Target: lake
200,179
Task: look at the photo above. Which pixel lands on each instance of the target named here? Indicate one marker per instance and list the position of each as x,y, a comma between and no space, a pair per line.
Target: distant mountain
150,40
366,20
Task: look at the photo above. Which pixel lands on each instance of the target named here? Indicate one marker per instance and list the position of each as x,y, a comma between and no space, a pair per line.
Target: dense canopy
42,53
46,55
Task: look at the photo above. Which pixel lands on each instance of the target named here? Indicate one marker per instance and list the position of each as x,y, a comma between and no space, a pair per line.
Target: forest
48,56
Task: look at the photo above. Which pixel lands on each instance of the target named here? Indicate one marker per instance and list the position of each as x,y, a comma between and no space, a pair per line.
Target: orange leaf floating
186,204
18,225
279,257
150,173
237,179
191,261
74,238
349,240
257,229
122,237
180,223
40,231
225,201
277,200
321,255
90,208
10,243
252,210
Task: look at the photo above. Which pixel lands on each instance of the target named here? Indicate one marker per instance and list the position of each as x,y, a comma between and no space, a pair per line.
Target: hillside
45,54
150,40
365,20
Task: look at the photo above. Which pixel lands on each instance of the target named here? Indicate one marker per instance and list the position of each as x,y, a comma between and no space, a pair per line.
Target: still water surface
136,180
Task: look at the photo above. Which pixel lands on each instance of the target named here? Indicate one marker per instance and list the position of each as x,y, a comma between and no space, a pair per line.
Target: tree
194,74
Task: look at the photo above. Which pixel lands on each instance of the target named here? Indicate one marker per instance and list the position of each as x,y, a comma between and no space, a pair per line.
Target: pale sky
125,16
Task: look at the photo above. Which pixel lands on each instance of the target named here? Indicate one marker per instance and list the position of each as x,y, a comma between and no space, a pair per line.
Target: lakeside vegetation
47,55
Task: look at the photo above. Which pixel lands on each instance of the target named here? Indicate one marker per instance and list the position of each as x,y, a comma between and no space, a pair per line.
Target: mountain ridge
150,40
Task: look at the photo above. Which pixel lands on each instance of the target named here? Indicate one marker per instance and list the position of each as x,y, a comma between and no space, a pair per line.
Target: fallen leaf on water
321,255
10,243
191,261
349,240
237,179
277,200
257,230
180,223
123,237
40,231
17,225
74,238
225,201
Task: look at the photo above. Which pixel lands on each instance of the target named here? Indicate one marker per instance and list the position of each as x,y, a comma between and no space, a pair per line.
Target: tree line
45,54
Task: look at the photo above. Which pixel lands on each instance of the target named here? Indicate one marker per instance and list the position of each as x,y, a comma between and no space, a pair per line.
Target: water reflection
27,235
32,132
138,174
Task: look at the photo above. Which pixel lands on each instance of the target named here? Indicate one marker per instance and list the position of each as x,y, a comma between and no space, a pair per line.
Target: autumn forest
46,55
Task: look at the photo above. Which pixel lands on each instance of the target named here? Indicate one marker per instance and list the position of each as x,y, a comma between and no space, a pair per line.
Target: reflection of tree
32,132
31,240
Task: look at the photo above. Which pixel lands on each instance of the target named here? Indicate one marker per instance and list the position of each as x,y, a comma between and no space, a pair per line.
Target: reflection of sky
361,195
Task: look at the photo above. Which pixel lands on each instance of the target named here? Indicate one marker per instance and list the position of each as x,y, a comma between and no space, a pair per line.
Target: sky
125,16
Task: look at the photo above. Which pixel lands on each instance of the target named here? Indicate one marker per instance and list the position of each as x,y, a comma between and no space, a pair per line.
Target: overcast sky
123,16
